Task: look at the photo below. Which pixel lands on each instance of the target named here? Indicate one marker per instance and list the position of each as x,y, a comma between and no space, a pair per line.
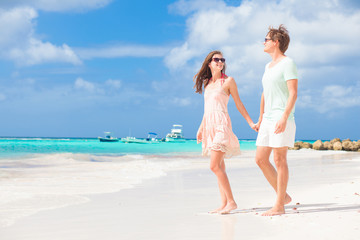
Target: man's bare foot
229,207
218,209
287,199
276,210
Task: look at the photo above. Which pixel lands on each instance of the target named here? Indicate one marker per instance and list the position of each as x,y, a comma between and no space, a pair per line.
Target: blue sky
76,68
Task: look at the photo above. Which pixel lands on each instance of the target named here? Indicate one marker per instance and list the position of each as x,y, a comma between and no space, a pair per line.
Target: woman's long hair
204,75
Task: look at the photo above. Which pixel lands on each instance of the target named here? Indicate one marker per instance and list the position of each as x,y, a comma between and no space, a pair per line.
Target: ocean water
19,147
37,174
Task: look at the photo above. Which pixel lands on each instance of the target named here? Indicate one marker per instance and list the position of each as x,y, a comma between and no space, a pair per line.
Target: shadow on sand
306,208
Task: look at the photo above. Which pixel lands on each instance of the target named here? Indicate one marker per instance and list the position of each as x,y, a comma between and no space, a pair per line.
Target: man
276,124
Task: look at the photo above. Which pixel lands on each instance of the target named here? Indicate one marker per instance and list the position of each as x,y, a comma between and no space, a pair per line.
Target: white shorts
267,138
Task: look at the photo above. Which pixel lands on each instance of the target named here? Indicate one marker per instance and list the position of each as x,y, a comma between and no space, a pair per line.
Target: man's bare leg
282,181
215,165
263,161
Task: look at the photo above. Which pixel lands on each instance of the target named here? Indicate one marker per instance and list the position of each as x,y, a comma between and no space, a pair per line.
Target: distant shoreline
95,138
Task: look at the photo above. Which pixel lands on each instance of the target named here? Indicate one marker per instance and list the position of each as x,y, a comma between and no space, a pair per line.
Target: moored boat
108,138
151,138
175,135
133,140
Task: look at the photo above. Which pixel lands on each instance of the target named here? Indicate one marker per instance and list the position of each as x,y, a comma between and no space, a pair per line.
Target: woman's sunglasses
219,59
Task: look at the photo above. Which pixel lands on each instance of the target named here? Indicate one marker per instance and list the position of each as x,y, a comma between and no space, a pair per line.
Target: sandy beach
324,185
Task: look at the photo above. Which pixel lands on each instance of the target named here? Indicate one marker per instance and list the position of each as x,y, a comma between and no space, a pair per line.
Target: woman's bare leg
222,193
216,159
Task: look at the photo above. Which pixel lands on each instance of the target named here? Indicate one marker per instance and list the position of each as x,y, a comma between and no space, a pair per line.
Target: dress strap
222,78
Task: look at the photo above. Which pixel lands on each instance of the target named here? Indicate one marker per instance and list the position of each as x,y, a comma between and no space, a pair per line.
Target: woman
276,122
215,131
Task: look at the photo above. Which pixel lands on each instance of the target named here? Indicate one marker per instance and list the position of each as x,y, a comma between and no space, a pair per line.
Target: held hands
255,127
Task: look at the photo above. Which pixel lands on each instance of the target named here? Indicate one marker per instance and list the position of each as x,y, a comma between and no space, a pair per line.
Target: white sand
175,206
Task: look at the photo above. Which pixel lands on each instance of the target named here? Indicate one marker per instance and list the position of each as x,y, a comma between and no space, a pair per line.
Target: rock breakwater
335,144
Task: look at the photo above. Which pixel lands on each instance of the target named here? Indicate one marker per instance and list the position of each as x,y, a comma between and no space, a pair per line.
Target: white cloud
175,101
179,56
182,101
342,97
330,98
19,43
16,25
38,52
25,94
324,35
184,7
122,51
98,89
82,84
56,5
114,83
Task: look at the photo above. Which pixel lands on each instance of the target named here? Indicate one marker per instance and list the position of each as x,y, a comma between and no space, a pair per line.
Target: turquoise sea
17,147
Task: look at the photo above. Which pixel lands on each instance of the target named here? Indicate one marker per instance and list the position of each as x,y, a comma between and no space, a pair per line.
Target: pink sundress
217,132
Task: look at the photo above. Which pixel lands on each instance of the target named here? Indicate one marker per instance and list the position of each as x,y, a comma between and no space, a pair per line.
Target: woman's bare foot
229,207
218,209
276,210
287,199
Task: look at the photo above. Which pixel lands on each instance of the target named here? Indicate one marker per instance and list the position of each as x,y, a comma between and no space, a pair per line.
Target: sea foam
48,181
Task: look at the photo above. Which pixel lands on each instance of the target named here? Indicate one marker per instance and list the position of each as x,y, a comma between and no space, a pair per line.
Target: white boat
175,135
133,140
151,138
108,138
